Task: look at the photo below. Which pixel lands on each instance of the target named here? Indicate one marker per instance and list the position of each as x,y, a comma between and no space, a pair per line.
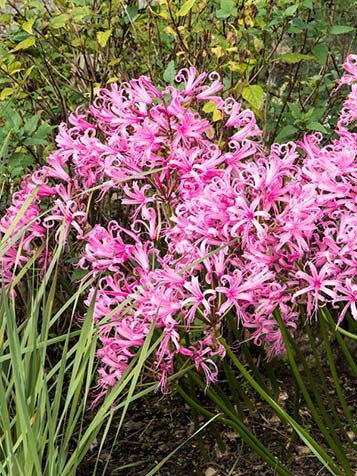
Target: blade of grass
17,218
164,460
23,417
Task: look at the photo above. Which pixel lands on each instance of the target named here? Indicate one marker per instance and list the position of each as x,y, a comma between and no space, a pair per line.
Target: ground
156,426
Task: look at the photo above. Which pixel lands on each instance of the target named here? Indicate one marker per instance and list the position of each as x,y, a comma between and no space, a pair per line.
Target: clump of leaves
279,57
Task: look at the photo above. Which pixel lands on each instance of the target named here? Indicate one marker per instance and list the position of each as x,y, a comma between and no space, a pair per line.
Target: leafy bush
279,57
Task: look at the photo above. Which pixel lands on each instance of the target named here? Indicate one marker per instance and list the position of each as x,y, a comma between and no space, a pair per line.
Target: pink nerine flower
179,228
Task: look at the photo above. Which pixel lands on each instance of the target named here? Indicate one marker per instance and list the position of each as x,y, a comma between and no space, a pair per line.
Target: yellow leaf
164,15
254,95
218,51
114,79
24,44
28,72
234,66
186,7
114,61
27,25
238,88
169,31
217,115
210,106
258,44
96,89
103,37
15,67
6,92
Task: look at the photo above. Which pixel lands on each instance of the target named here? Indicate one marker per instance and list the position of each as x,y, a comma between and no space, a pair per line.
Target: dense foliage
279,57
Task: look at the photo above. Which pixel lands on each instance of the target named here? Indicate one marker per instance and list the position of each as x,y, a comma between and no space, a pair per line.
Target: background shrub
280,57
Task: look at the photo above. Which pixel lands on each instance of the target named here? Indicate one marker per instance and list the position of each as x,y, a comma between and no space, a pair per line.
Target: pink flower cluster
195,222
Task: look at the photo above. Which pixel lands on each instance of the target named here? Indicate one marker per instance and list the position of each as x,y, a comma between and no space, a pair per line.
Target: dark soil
156,426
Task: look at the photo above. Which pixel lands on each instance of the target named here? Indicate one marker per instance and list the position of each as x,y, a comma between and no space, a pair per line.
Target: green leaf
5,146
286,132
228,9
221,14
103,37
31,124
163,461
186,7
290,11
293,57
79,12
78,274
18,162
24,44
36,4
210,107
341,29
43,131
321,53
308,4
18,36
132,12
254,95
316,126
34,141
6,92
59,21
295,110
13,120
170,72
27,25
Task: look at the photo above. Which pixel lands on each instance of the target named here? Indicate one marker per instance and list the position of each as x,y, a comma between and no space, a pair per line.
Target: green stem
329,432
241,429
196,422
234,389
303,434
332,438
245,351
324,383
351,361
336,380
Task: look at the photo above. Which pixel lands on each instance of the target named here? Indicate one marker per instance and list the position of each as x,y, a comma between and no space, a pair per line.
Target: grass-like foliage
46,377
